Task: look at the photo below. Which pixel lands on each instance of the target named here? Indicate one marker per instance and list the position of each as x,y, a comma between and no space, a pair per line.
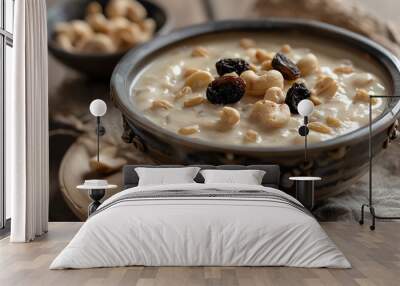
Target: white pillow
164,176
247,177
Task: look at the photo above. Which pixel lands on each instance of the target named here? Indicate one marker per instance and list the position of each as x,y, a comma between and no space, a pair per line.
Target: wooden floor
375,257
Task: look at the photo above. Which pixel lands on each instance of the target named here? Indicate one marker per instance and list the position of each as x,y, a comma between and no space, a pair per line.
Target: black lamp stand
303,131
97,194
370,205
100,131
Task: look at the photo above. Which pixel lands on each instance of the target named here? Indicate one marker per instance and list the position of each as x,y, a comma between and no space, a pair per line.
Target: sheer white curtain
27,124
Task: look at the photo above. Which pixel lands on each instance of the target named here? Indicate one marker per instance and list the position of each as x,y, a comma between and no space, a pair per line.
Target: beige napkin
348,14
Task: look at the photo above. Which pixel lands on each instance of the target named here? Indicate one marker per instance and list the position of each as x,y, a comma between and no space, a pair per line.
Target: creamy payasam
245,91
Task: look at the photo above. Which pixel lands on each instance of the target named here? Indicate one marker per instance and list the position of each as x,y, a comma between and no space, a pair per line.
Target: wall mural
191,107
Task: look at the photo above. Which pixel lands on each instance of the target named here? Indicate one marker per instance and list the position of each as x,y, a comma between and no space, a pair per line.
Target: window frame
6,39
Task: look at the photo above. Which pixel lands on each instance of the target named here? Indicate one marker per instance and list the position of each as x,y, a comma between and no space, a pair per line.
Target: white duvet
200,231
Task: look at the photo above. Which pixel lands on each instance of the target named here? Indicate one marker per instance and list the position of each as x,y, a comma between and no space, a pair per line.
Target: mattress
201,225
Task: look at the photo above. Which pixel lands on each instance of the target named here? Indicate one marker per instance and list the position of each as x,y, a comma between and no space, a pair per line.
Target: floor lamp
370,204
305,108
98,108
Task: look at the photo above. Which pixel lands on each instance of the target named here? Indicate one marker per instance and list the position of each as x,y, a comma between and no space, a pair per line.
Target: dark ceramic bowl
96,65
339,161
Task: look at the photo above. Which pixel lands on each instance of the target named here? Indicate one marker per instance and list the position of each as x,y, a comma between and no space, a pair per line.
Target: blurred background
72,126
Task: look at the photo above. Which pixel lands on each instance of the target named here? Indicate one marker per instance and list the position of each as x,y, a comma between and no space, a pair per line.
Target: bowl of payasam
227,93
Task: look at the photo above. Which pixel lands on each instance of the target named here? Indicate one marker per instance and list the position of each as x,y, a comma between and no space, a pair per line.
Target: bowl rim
53,47
120,88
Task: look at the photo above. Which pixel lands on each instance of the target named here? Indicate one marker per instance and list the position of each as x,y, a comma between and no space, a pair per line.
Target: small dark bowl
340,161
94,65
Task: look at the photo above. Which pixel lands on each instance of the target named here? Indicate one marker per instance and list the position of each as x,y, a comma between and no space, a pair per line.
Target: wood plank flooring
375,257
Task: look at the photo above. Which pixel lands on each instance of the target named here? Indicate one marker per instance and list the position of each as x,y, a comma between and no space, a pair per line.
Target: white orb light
305,107
98,107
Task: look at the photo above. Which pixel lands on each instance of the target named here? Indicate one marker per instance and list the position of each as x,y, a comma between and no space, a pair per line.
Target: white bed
246,225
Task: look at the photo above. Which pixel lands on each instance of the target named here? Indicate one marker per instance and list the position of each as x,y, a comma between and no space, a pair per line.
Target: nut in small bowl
91,36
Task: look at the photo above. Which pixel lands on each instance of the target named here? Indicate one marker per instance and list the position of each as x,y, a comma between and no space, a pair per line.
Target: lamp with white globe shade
305,109
98,108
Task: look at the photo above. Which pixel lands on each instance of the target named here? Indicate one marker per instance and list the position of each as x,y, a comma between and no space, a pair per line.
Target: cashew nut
344,69
98,43
135,11
250,136
128,36
319,127
286,49
308,64
148,26
362,79
196,100
199,52
183,92
234,74
257,85
117,8
161,103
266,65
81,30
199,79
253,67
66,30
119,23
326,86
262,55
117,28
275,94
315,99
188,71
94,8
247,43
333,121
269,114
99,23
189,130
229,118
363,96
64,42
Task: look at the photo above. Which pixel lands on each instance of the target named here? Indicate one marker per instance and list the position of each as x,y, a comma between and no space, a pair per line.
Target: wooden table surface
70,93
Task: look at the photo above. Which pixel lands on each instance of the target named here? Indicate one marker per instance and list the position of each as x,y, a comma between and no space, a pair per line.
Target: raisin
226,90
296,93
288,69
237,65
